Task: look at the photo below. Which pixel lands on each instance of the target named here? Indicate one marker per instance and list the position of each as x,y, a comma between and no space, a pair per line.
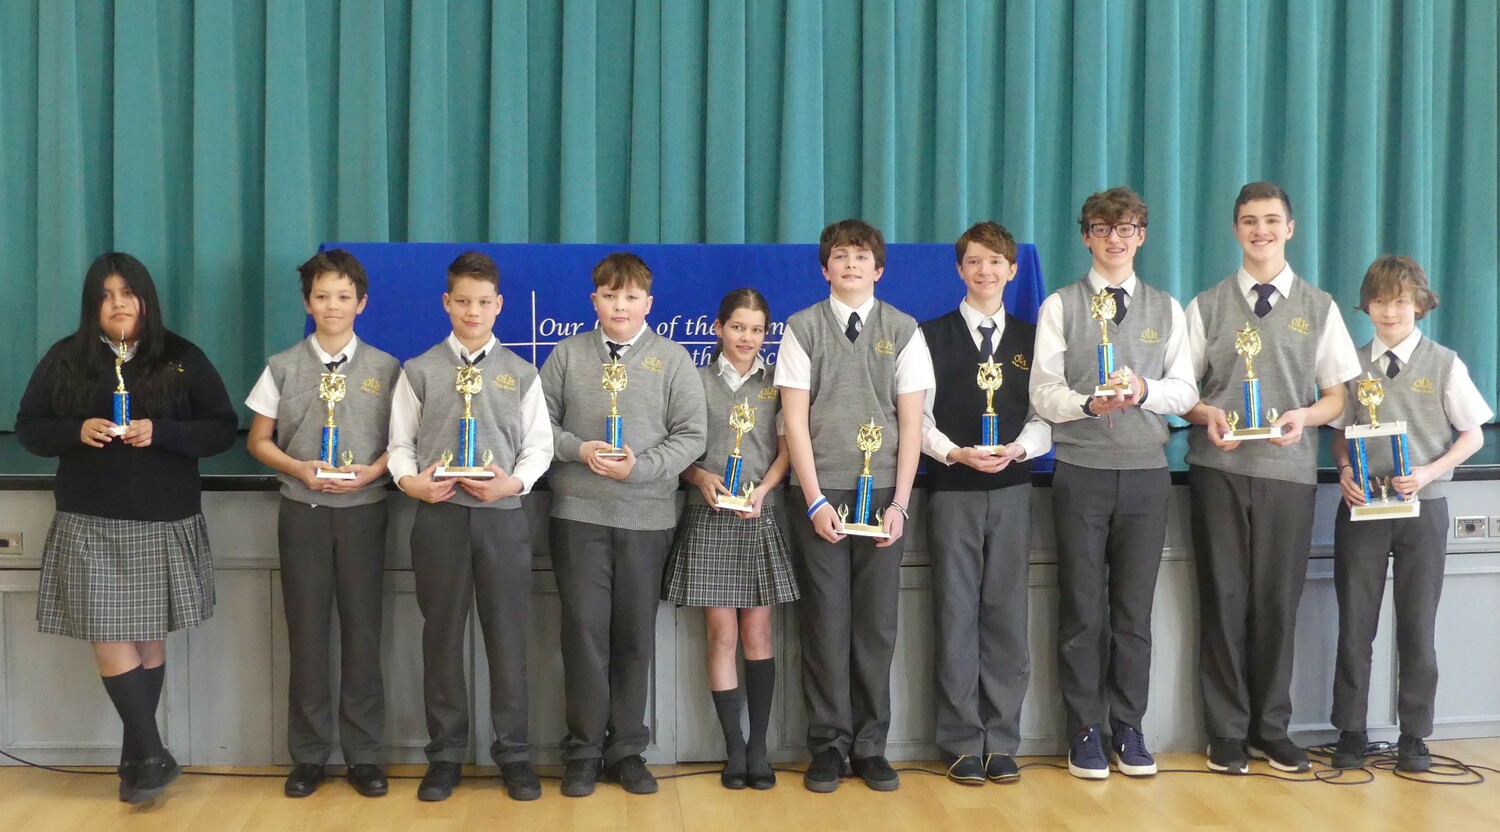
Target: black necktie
1263,303
334,365
852,330
987,329
1392,365
1119,295
472,360
614,350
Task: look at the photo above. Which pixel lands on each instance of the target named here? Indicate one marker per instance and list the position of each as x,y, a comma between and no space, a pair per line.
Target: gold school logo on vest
1021,362
371,385
651,363
506,381
1422,385
1300,325
885,346
1150,336
768,393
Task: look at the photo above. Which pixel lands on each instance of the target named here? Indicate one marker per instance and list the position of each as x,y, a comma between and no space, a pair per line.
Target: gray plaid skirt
720,559
124,580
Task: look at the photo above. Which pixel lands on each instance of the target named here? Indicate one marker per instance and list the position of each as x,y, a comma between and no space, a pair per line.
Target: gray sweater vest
852,383
497,409
1135,438
759,445
1289,336
1414,396
363,417
665,424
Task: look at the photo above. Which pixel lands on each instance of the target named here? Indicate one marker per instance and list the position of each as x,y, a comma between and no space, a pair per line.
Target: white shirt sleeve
1176,392
1035,437
406,413
1337,361
1051,397
935,443
536,437
793,367
1197,340
1462,401
914,366
265,397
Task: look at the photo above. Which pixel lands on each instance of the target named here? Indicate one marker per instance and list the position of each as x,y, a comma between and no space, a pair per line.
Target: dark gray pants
333,555
1251,541
1417,548
848,616
1111,527
473,558
981,558
610,583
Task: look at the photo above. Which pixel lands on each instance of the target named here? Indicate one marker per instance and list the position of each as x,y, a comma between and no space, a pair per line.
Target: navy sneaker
1086,758
1130,752
1282,754
1412,754
1001,768
1352,750
967,770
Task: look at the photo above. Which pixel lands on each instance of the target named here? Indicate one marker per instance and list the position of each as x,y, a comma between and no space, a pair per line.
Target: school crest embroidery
1422,385
505,381
885,347
1021,362
1150,336
1300,325
769,393
652,363
371,385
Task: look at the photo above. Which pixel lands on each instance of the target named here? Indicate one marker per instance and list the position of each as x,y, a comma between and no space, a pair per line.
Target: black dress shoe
579,777
824,772
129,771
304,779
439,781
877,773
521,782
155,774
368,780
632,775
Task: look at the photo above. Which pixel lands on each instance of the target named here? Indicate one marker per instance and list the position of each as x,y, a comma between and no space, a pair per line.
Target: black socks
727,703
135,695
760,685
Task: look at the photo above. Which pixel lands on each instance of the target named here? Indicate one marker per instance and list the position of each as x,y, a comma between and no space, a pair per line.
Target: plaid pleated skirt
721,559
124,580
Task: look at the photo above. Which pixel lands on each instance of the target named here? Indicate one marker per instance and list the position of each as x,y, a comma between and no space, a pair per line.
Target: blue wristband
817,504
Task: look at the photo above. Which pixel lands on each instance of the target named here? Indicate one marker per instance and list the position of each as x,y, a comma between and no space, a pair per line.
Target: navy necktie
334,365
1263,303
1392,365
1119,295
987,329
852,330
474,360
614,350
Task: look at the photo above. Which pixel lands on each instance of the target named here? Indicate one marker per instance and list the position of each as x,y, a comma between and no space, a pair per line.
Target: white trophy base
118,430
1386,510
1367,432
335,474
864,530
1108,391
451,472
612,453
733,503
1272,432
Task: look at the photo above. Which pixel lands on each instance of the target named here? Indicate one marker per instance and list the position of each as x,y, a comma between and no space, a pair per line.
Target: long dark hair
745,298
84,359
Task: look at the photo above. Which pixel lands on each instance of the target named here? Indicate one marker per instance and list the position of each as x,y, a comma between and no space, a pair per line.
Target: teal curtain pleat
222,140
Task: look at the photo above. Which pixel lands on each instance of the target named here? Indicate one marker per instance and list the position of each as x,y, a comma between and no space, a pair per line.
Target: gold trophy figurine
614,425
331,390
742,420
989,379
1370,392
469,383
868,440
1247,346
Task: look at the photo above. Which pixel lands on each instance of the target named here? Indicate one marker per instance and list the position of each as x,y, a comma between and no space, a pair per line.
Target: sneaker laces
1132,744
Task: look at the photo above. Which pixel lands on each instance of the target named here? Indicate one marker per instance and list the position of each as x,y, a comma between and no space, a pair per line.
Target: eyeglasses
1126,230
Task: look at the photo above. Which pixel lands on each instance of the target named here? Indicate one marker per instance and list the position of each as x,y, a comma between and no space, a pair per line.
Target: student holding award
1422,389
1262,339
127,558
629,416
729,556
326,402
470,542
1111,364
848,368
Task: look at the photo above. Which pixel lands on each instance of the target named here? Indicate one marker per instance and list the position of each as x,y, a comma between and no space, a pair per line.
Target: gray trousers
1251,541
848,616
1417,548
473,558
610,583
981,558
1111,527
328,556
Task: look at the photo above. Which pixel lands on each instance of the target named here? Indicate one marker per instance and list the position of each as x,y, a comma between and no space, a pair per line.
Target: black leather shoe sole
370,786
153,780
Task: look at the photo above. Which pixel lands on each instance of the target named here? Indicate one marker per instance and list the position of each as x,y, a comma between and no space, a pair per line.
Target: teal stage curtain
222,140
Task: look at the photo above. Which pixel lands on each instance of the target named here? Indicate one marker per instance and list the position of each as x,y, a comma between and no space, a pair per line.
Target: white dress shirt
913,363
265,397
1464,405
624,345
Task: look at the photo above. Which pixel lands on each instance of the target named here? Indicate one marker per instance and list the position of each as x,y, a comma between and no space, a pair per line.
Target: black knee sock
156,676
131,694
728,704
760,686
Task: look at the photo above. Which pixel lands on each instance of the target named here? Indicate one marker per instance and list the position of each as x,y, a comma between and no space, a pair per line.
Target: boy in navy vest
979,514
1252,506
1427,386
1110,487
842,363
470,542
331,532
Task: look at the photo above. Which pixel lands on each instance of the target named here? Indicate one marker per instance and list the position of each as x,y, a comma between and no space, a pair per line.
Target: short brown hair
851,232
1262,190
1112,206
339,262
1390,276
991,235
622,270
476,265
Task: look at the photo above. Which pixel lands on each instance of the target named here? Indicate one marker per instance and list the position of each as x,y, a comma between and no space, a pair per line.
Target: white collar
114,346
973,318
347,352
1402,350
841,310
466,356
1097,282
630,343
1282,281
726,367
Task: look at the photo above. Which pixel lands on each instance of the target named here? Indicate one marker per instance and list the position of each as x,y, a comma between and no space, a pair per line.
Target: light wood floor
1046,798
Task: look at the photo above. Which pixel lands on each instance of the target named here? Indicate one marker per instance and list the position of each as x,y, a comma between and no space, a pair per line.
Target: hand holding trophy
331,390
1371,393
614,425
469,383
990,379
868,440
1247,346
1102,309
742,420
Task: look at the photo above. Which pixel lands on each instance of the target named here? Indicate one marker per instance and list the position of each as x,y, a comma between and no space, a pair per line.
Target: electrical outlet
1470,526
1495,527
10,543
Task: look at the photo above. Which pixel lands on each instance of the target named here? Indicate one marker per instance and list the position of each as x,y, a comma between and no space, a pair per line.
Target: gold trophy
331,391
989,379
469,383
1247,346
1371,393
121,414
1102,309
868,440
614,424
742,419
